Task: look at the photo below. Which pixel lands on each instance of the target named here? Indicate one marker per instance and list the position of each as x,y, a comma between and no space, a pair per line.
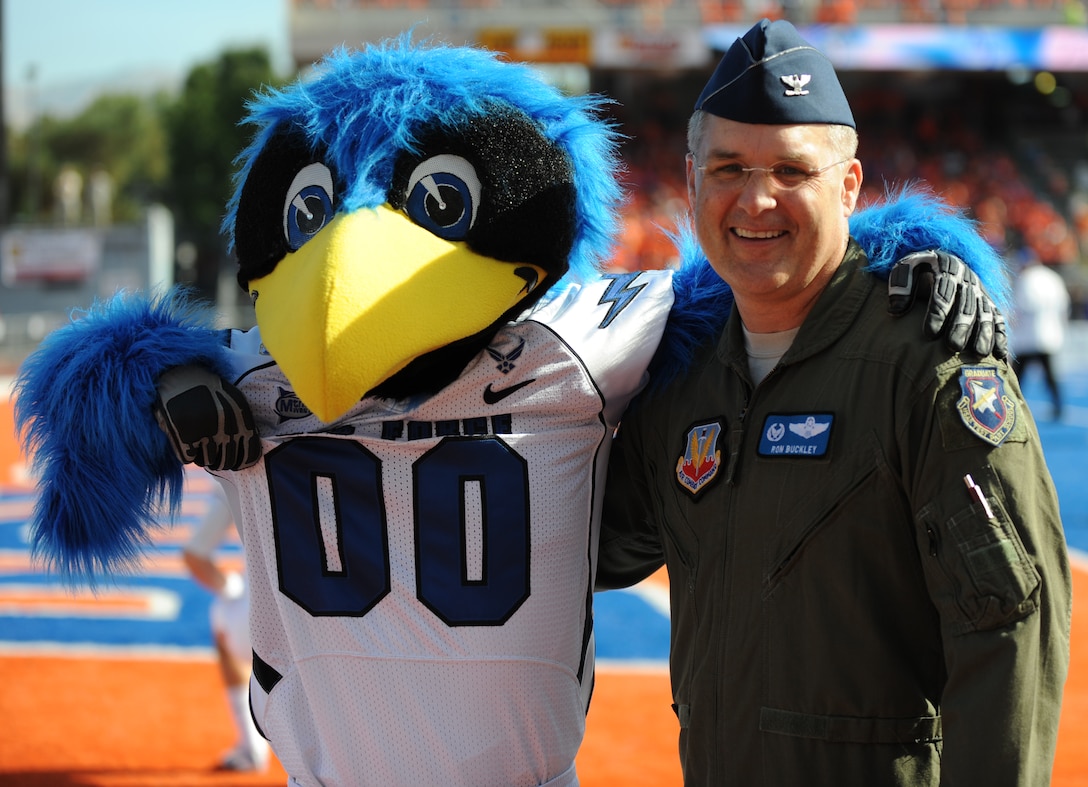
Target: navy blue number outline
294,470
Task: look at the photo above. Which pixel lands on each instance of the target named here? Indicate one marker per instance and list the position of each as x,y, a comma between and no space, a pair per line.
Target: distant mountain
22,101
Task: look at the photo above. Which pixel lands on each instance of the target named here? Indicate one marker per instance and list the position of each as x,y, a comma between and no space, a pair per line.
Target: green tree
119,135
204,139
123,136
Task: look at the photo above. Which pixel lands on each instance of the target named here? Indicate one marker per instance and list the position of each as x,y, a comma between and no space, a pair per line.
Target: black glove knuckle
951,264
900,276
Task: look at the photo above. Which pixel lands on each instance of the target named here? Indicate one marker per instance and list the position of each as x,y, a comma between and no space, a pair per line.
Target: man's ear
851,187
692,170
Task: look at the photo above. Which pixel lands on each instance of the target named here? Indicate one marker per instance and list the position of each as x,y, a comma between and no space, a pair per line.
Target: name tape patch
796,435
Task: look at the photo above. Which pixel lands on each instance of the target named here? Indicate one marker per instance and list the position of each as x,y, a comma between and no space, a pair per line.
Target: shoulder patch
701,460
985,407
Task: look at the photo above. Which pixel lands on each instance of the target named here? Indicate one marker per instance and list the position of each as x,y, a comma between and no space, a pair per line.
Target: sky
59,54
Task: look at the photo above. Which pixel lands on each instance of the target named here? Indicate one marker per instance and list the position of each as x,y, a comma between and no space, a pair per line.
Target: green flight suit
844,611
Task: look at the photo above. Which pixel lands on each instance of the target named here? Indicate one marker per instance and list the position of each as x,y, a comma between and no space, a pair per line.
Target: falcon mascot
414,436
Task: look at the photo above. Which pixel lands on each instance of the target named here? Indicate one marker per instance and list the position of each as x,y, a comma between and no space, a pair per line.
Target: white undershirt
765,350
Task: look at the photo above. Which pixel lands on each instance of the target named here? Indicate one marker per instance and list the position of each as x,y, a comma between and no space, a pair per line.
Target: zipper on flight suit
738,428
735,441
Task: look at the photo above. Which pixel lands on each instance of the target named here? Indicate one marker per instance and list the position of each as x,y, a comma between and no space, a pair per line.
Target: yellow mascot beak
368,294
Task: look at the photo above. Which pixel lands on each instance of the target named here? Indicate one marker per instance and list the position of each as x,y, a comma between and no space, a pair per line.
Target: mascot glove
207,419
958,306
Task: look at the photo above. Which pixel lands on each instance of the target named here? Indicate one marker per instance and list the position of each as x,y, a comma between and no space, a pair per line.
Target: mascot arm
906,221
958,305
969,283
84,412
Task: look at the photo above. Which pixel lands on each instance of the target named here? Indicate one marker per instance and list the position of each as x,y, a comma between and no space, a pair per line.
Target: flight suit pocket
978,570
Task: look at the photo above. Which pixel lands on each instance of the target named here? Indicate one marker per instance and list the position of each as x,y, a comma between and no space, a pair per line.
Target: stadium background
984,100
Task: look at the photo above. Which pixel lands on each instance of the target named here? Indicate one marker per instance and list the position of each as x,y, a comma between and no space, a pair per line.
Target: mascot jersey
419,564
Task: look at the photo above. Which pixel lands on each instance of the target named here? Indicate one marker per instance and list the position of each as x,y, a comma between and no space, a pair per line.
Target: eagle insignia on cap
795,84
762,73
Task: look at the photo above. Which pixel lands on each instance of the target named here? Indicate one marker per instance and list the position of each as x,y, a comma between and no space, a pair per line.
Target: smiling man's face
775,240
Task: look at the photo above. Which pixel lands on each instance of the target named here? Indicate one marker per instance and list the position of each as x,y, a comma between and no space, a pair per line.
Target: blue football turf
631,626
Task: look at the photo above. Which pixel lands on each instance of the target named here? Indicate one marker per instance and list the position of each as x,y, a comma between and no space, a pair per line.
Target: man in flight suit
869,581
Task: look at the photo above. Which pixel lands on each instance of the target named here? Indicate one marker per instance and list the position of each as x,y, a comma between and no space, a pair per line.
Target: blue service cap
773,76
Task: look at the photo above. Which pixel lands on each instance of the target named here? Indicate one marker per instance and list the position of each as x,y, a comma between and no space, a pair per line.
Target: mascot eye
308,206
443,196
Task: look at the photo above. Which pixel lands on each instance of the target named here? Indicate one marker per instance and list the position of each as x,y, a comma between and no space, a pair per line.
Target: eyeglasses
785,174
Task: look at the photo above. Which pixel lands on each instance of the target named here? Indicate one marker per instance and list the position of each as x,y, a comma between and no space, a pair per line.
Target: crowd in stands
848,12
798,11
1020,196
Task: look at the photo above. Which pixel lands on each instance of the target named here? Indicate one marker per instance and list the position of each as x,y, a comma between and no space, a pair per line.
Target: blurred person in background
229,615
1041,307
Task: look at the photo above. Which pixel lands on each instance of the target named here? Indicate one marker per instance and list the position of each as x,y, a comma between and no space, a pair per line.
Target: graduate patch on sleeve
796,435
985,408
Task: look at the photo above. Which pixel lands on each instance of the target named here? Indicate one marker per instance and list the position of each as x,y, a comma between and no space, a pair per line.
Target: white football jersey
422,571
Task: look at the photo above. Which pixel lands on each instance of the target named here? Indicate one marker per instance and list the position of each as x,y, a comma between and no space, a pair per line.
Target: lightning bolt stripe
620,293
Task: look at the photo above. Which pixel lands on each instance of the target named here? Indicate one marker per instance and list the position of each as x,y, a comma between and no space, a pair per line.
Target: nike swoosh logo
492,396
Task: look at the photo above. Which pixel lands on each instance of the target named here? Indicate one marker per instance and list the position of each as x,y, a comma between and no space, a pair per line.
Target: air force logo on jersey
985,408
702,459
506,359
803,435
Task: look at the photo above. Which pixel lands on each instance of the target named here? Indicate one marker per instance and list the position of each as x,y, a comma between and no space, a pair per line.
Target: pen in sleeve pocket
976,494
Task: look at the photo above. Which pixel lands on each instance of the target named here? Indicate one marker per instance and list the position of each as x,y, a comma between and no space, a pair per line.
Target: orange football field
121,722
98,720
